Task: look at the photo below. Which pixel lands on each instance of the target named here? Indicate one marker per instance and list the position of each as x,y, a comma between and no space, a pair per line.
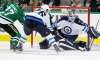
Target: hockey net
82,12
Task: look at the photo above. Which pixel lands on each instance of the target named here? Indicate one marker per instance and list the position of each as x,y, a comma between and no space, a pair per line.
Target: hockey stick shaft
92,40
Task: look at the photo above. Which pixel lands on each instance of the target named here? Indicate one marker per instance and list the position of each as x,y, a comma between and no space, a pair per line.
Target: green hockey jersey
12,13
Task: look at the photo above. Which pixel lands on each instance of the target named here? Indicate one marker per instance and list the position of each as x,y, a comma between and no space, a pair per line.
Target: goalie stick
91,38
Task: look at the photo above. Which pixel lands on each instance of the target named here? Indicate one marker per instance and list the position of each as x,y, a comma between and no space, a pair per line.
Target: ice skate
45,45
16,44
56,47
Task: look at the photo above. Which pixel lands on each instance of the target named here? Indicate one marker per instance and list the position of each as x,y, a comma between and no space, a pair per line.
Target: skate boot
45,45
55,45
48,42
93,33
16,44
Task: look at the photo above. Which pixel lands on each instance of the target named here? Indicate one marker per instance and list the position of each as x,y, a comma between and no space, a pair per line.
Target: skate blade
57,49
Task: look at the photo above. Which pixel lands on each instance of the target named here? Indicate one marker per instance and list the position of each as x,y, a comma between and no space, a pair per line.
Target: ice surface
35,53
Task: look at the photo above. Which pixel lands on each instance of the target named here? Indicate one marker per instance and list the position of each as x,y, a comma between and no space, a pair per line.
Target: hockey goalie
67,30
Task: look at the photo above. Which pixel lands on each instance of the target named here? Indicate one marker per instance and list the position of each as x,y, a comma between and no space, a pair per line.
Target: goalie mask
72,16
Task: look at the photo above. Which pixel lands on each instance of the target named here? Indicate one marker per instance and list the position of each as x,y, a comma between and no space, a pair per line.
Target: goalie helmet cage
65,10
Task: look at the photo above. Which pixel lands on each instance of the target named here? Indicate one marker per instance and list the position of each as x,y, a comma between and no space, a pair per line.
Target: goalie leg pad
80,44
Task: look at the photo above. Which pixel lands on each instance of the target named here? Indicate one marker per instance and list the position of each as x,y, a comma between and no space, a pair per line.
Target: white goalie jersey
69,26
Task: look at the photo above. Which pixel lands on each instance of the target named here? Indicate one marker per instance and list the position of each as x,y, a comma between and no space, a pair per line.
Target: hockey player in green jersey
7,18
